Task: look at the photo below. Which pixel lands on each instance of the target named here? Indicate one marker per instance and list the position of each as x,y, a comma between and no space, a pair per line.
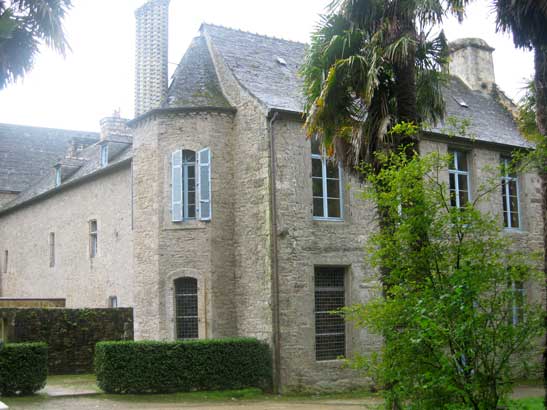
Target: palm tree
373,64
24,24
527,21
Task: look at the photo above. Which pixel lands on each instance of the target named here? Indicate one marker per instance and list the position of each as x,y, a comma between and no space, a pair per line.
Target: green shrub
23,368
161,367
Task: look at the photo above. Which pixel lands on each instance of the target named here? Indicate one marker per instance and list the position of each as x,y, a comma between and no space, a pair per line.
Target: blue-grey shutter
176,186
204,161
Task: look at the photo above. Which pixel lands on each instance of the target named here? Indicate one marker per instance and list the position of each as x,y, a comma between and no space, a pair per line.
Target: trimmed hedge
23,368
164,367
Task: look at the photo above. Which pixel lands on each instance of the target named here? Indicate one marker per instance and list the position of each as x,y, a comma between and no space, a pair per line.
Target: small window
51,249
93,245
5,267
186,308
104,155
458,174
330,329
326,184
112,301
519,295
58,176
510,195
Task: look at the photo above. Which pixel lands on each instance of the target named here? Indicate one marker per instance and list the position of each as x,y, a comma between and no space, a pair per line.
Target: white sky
97,76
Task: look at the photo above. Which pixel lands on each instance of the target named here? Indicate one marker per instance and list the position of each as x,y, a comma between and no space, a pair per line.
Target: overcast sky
97,76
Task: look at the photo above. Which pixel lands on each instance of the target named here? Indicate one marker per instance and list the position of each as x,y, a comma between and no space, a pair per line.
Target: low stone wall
71,334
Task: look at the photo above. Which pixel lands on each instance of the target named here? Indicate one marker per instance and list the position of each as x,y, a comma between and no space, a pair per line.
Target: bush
23,368
162,367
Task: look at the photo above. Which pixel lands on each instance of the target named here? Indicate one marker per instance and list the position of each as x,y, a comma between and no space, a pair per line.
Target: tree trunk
540,82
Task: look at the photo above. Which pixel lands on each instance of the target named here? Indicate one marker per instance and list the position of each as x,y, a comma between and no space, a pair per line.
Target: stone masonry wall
199,249
252,227
81,280
304,243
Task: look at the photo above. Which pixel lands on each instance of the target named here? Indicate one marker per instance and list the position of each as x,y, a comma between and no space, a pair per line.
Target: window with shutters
326,184
458,173
191,185
186,308
330,329
510,195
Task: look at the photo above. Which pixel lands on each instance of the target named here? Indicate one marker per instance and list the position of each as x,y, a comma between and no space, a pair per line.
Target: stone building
212,215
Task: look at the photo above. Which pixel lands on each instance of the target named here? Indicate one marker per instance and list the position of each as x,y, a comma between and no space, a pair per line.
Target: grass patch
224,395
529,403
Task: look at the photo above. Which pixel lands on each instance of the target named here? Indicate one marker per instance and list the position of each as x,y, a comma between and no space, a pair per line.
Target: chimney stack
151,55
471,61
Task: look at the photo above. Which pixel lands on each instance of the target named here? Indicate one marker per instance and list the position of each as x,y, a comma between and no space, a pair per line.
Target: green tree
527,21
24,24
373,64
455,338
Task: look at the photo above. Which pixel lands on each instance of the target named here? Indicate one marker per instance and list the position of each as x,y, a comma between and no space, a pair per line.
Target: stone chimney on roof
151,76
471,61
115,128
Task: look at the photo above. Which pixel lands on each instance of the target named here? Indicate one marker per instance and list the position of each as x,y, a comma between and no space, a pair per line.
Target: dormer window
104,155
58,176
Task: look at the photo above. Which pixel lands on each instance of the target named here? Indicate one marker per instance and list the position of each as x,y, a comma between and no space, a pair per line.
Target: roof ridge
250,32
47,128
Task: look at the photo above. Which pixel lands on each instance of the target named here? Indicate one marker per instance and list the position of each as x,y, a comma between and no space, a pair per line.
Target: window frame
58,176
104,155
185,165
324,179
51,243
517,312
506,179
113,302
93,238
457,172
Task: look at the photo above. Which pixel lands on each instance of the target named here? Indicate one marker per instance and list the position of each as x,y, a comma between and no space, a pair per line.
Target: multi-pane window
186,308
326,184
93,245
517,312
191,185
458,173
52,249
330,329
509,195
104,155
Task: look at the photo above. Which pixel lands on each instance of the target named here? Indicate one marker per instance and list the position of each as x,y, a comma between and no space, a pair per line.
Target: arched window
186,308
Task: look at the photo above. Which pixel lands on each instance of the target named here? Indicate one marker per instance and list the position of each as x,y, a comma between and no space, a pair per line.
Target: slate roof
195,83
28,153
253,59
87,163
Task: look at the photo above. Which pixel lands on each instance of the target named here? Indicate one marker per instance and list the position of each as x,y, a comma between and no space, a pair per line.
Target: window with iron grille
326,184
458,173
93,245
186,308
330,329
509,195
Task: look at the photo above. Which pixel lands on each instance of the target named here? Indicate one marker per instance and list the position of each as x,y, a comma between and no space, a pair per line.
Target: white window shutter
176,186
204,180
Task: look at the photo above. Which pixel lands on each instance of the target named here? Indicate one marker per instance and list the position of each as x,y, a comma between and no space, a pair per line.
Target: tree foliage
452,340
372,64
24,24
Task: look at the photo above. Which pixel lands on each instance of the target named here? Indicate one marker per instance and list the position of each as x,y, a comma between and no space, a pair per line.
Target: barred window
509,195
458,173
186,308
326,184
330,329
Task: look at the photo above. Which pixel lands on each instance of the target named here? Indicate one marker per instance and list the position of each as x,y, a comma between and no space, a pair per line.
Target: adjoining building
212,215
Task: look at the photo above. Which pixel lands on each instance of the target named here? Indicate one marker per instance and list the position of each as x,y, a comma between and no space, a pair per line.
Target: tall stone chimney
471,61
151,55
